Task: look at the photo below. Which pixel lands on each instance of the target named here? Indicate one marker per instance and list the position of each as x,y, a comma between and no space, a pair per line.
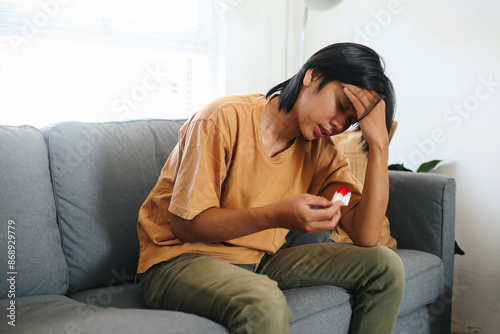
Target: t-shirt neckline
280,157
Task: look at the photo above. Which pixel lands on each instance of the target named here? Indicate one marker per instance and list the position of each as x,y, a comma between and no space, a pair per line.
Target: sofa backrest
101,175
32,261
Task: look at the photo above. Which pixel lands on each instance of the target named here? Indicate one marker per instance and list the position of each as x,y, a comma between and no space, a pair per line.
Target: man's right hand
295,213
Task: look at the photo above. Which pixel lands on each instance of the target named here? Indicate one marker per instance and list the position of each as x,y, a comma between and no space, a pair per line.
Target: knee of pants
388,265
263,313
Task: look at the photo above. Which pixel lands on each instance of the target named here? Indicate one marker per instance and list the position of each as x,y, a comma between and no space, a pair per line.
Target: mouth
323,132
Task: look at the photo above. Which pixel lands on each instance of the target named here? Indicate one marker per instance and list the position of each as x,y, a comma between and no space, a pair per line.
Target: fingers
363,100
299,215
366,96
368,102
318,201
327,220
325,214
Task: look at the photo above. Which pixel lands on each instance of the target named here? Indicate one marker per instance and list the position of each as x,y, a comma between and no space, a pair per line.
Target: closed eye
351,120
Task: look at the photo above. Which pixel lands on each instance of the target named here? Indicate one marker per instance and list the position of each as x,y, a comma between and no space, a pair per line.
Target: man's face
324,113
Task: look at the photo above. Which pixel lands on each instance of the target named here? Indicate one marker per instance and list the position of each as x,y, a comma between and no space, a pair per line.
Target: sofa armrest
421,212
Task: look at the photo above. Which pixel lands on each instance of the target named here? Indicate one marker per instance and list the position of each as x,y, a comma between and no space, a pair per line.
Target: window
94,60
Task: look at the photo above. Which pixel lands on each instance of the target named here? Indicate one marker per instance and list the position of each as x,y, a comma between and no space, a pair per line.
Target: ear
311,76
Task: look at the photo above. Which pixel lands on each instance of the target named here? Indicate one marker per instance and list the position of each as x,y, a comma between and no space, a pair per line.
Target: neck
278,126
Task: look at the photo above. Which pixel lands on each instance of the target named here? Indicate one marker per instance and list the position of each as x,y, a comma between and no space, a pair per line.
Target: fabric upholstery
419,321
27,201
60,314
414,196
122,296
423,279
311,307
101,174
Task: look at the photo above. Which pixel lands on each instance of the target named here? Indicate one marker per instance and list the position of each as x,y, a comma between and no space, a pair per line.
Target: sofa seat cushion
60,314
28,216
419,321
119,296
101,175
424,279
319,309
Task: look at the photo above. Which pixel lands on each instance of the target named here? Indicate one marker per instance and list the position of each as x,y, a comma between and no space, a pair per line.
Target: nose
340,124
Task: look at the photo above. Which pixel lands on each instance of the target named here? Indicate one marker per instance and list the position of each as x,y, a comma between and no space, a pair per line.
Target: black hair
350,63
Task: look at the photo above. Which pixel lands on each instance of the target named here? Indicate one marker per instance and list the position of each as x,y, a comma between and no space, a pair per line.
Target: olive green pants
248,298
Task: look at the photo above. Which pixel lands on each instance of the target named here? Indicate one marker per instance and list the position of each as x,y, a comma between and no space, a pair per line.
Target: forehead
333,87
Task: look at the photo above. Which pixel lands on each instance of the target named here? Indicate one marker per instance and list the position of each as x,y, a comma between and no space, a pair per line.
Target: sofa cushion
319,309
120,296
101,174
60,314
28,216
419,321
424,279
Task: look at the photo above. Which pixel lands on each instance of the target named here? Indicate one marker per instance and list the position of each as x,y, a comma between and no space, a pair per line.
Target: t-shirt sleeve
202,170
335,174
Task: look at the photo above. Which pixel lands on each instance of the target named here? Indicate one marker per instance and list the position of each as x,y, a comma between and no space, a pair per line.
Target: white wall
443,59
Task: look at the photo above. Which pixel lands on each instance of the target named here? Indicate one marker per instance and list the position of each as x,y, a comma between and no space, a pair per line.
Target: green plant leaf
399,167
427,166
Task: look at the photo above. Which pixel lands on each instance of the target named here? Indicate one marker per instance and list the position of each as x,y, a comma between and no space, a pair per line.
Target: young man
248,170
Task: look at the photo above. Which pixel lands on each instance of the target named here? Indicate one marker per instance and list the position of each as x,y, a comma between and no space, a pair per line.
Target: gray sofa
69,198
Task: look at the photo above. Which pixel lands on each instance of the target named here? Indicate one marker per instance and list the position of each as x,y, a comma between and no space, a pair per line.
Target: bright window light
94,61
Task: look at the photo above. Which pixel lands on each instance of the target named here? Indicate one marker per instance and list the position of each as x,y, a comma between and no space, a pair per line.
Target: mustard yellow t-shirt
220,162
